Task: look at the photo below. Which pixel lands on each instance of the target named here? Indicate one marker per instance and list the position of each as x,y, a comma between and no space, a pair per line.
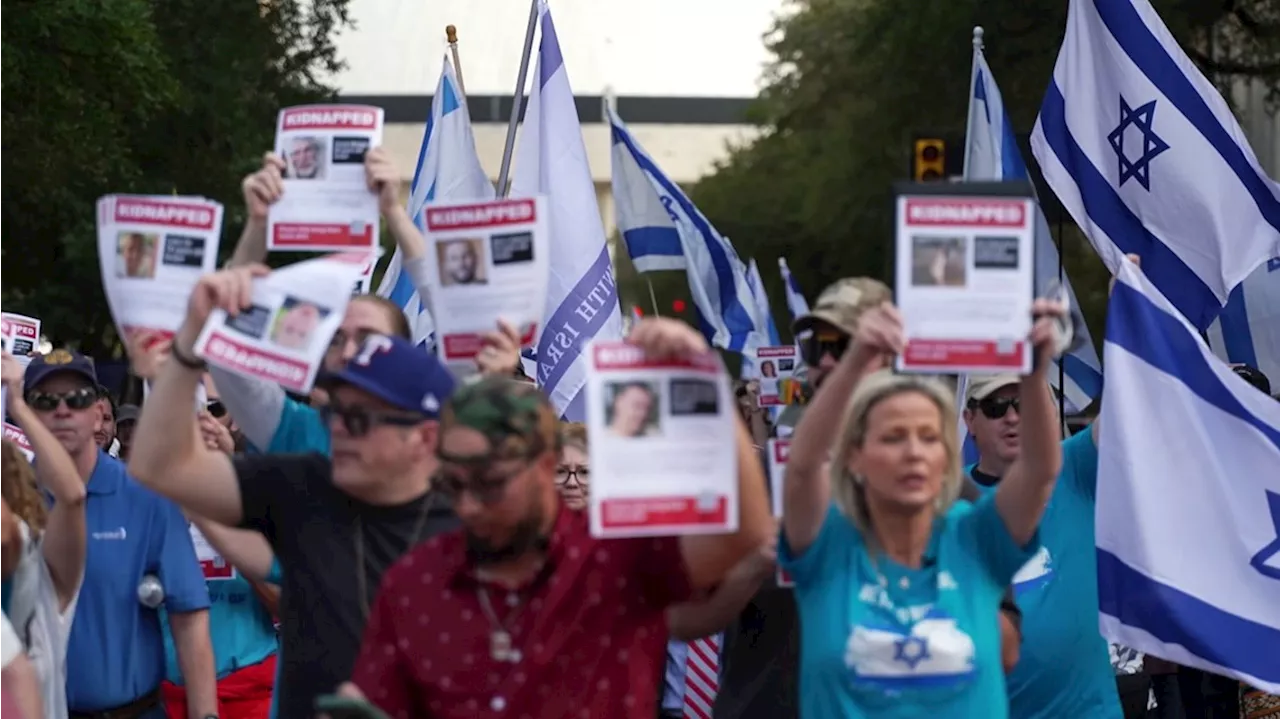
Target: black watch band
191,362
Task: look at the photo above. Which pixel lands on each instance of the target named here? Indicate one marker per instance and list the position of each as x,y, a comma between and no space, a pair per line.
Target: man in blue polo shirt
115,657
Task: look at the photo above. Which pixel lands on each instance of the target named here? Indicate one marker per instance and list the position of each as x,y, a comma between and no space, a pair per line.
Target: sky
685,48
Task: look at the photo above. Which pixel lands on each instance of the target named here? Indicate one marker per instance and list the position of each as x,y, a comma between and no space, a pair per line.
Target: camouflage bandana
516,417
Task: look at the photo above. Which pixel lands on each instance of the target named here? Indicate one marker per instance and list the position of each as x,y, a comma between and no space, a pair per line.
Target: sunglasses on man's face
815,346
359,421
997,407
487,488
76,399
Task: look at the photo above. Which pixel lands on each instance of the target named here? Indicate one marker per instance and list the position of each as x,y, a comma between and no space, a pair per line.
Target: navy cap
395,371
42,366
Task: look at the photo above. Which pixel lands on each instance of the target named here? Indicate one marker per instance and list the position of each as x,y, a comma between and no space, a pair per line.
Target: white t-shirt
40,628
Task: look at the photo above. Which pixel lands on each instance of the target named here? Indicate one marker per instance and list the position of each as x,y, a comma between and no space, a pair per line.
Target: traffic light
677,306
929,161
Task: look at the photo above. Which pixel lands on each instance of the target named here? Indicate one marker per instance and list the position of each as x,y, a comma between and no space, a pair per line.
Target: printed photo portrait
462,262
631,409
295,323
304,158
938,261
136,255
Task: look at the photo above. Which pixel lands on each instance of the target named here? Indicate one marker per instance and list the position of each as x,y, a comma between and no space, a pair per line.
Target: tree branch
1231,67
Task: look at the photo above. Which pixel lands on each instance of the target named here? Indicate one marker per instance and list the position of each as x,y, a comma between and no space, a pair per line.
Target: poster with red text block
327,205
663,448
965,281
779,452
21,336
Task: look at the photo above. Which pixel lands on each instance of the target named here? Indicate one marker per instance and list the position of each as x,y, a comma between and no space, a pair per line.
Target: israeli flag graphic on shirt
1035,574
1147,157
932,653
1191,575
582,298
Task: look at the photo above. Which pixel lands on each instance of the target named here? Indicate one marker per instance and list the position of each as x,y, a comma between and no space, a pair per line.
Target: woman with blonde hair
43,559
573,474
897,583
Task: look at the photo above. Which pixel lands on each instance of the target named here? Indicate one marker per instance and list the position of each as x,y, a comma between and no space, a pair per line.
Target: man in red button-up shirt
522,613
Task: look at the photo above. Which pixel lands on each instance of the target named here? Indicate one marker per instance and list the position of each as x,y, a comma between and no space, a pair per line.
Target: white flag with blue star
1188,510
1147,157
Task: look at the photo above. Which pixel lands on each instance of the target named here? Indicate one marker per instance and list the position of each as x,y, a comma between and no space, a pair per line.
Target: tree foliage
854,81
137,96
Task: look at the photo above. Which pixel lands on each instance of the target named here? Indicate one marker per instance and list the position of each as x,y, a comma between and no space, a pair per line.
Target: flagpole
653,298
517,99
1062,365
451,33
968,123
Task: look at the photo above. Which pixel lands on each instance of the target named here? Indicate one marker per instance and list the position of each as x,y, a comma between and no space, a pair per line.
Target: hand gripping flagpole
451,34
517,100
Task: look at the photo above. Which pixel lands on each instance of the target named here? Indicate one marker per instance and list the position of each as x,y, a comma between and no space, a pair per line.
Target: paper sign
21,336
965,283
776,368
779,452
214,565
365,280
18,437
152,250
283,335
488,262
327,204
663,444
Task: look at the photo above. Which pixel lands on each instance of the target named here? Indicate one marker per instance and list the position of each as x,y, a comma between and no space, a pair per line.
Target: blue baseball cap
399,373
60,360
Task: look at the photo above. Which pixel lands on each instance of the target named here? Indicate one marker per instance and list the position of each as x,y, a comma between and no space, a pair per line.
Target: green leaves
138,96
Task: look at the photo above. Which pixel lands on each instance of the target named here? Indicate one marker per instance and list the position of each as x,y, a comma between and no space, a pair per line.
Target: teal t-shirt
1064,669
878,639
241,629
300,430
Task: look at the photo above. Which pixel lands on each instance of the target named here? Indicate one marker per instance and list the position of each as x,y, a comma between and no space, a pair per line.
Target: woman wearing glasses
573,475
898,585
44,556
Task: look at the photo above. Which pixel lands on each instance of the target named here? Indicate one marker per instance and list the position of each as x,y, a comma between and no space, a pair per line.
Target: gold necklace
362,582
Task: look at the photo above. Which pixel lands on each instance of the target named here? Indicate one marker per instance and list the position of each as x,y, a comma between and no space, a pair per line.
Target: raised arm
1024,491
807,487
704,617
709,557
168,454
64,535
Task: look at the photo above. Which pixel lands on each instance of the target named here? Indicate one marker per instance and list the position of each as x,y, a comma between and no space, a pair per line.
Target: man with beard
522,611
334,524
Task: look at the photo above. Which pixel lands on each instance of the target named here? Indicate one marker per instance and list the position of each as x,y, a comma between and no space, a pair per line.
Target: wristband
188,361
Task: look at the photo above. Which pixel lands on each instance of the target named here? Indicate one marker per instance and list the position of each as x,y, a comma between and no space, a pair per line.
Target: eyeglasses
815,345
216,408
342,337
359,421
580,475
487,488
76,399
997,407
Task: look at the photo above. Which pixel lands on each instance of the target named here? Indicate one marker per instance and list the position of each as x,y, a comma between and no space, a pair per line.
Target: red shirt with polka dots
590,631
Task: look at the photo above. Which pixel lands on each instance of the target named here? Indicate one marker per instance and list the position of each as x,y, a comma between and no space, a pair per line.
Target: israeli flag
1148,158
582,298
1188,510
448,169
991,153
664,231
796,302
1248,330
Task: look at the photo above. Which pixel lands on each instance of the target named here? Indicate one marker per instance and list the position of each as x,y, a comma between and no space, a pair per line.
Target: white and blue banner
1248,330
447,169
796,302
992,154
1146,155
582,297
1188,496
664,231
766,331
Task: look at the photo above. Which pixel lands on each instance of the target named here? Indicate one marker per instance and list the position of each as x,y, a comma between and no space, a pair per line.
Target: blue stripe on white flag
1248,330
1207,599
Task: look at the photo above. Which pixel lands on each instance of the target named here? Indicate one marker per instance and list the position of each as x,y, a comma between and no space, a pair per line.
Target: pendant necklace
362,582
500,645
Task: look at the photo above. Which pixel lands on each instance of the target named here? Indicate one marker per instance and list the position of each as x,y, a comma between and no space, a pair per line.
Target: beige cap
842,303
983,387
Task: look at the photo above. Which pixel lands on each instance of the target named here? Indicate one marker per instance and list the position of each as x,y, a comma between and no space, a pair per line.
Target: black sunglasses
76,399
997,407
216,408
817,344
359,421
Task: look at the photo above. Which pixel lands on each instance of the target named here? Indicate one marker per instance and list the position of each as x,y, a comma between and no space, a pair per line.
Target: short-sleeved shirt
312,525
240,627
301,430
879,639
590,630
1064,668
116,651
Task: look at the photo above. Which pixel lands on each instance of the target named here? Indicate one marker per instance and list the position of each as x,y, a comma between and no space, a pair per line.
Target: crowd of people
412,543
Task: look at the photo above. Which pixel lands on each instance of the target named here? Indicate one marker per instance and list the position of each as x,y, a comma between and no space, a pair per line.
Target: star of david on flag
1142,118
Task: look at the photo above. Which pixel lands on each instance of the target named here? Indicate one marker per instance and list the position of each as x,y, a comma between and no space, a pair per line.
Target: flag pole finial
977,37
451,34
